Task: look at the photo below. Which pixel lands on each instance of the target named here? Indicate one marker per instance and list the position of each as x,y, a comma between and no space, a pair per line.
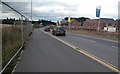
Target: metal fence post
0,37
22,30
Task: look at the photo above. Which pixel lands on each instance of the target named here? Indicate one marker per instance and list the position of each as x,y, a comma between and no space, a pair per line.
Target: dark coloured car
58,31
47,29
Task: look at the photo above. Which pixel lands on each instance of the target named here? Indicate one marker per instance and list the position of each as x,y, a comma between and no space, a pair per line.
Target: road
46,54
106,50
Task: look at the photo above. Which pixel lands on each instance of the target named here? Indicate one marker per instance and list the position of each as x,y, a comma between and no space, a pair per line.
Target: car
47,29
58,31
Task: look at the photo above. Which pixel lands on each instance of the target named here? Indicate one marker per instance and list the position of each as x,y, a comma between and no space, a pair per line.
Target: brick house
107,22
90,24
72,24
64,22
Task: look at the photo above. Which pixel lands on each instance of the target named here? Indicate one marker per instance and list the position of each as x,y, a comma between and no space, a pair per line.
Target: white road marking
82,38
114,47
86,39
92,41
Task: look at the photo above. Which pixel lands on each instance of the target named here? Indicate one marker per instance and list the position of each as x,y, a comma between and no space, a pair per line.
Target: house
90,24
72,24
107,24
64,22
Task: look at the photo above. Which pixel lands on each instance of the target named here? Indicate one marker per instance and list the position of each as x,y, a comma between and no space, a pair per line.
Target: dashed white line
114,47
86,39
92,41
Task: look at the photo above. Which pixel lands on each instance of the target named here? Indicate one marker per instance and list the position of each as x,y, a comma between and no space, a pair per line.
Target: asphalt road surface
46,54
106,50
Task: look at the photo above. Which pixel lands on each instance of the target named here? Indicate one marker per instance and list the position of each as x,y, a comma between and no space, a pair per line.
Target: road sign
69,19
98,8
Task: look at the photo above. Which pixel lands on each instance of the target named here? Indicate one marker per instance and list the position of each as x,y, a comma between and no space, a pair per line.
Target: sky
56,10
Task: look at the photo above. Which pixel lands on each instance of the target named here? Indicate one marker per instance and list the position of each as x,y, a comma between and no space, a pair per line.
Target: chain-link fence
14,29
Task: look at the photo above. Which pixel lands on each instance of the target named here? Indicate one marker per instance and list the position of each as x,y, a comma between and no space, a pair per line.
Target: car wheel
55,34
64,34
52,33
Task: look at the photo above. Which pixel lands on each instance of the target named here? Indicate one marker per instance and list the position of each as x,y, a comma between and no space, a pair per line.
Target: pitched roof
107,20
91,20
65,21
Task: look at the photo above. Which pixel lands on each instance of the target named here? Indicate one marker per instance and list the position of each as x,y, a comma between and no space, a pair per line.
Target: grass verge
11,37
108,34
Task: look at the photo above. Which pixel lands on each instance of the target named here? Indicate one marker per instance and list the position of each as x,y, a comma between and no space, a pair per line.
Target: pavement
46,54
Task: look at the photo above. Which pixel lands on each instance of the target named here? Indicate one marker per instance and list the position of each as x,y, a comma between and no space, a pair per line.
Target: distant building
74,22
64,22
107,24
90,24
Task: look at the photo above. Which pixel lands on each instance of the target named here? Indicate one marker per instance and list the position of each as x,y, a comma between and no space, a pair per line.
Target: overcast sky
56,10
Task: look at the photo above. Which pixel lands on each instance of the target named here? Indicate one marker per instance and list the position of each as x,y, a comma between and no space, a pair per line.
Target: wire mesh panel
118,30
15,29
25,28
0,37
11,33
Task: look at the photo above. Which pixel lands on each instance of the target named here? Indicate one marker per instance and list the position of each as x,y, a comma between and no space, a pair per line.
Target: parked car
47,29
58,31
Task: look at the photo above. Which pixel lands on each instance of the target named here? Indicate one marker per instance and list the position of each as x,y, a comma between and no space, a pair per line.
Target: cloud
8,12
78,8
23,7
119,10
58,9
